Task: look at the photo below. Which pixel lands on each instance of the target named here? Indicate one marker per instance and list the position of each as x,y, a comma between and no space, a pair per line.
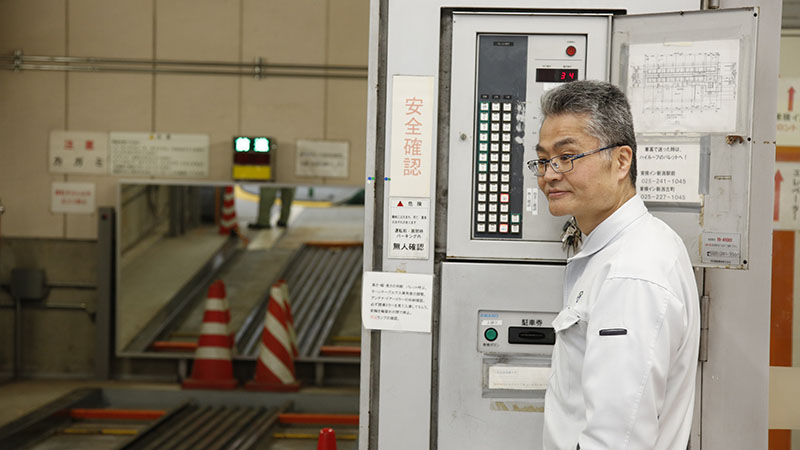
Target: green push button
490,334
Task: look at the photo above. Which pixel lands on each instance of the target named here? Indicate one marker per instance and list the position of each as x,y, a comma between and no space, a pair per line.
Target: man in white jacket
625,357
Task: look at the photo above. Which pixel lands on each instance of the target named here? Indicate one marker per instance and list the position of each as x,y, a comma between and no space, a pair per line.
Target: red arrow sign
777,203
791,98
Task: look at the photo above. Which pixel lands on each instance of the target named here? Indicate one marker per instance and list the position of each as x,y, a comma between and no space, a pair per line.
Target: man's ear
624,160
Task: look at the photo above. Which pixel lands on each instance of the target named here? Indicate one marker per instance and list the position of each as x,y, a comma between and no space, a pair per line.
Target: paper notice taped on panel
397,301
684,86
518,377
668,173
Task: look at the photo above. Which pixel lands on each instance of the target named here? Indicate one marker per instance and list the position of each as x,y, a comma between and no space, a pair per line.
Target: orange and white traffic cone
283,299
227,223
213,368
327,439
275,364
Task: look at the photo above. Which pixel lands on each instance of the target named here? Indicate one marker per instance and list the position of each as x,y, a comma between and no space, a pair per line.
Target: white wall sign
412,136
788,111
668,173
722,248
159,154
786,202
409,225
322,159
397,301
78,152
72,198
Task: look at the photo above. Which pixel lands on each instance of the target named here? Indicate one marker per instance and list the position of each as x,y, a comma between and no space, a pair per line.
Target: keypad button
515,228
481,197
515,218
492,217
506,157
493,187
482,187
482,167
504,188
484,106
495,146
506,106
481,217
482,177
504,178
506,137
506,167
483,146
506,117
493,177
496,107
492,228
493,167
481,228
483,127
504,207
495,137
495,157
481,207
504,228
485,116
506,147
506,127
483,157
495,117
503,198
493,207
483,137
493,198
504,218
495,127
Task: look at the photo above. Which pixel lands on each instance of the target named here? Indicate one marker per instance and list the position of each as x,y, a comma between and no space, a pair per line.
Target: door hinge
704,312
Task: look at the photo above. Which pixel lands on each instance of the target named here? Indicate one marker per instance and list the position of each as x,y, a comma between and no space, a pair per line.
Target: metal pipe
154,70
20,57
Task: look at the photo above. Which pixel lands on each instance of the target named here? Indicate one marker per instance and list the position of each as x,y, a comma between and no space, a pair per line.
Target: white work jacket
625,357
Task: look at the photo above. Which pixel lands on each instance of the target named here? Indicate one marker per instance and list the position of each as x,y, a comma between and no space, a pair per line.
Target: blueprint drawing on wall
684,86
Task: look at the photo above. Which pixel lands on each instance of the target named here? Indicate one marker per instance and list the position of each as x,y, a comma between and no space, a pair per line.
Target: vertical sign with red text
788,124
412,136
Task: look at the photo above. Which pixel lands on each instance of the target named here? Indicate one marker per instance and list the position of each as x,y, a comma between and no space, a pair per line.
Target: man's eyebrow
562,143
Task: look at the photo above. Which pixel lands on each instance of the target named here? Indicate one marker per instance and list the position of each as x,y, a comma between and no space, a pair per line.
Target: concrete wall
32,103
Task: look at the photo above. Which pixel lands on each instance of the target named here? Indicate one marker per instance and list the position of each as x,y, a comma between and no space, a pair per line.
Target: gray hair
608,113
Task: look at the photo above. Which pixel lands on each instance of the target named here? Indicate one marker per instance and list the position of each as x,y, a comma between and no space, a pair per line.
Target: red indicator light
571,50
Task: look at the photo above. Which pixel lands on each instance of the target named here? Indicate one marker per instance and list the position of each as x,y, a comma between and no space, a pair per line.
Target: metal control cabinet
477,381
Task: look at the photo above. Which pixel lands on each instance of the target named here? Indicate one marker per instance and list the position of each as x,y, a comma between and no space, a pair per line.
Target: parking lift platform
128,419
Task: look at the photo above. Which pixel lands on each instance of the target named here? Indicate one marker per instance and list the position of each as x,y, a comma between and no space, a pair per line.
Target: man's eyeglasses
561,163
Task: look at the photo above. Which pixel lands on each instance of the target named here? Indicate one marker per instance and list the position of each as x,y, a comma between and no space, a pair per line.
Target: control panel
512,73
515,332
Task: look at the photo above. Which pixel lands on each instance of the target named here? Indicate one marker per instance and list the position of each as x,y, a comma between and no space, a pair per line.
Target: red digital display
556,75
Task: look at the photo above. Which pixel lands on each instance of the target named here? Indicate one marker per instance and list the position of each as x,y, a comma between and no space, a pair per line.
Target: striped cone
227,222
283,300
275,364
212,367
327,439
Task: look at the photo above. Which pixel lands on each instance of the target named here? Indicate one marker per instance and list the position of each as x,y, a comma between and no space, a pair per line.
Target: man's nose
550,173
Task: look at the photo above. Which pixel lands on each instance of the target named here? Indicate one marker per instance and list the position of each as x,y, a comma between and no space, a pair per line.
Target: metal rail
319,279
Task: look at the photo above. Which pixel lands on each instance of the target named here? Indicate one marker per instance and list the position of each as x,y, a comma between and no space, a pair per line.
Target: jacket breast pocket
565,319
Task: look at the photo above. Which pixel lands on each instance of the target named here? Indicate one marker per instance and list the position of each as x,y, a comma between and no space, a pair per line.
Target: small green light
490,334
261,144
242,144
